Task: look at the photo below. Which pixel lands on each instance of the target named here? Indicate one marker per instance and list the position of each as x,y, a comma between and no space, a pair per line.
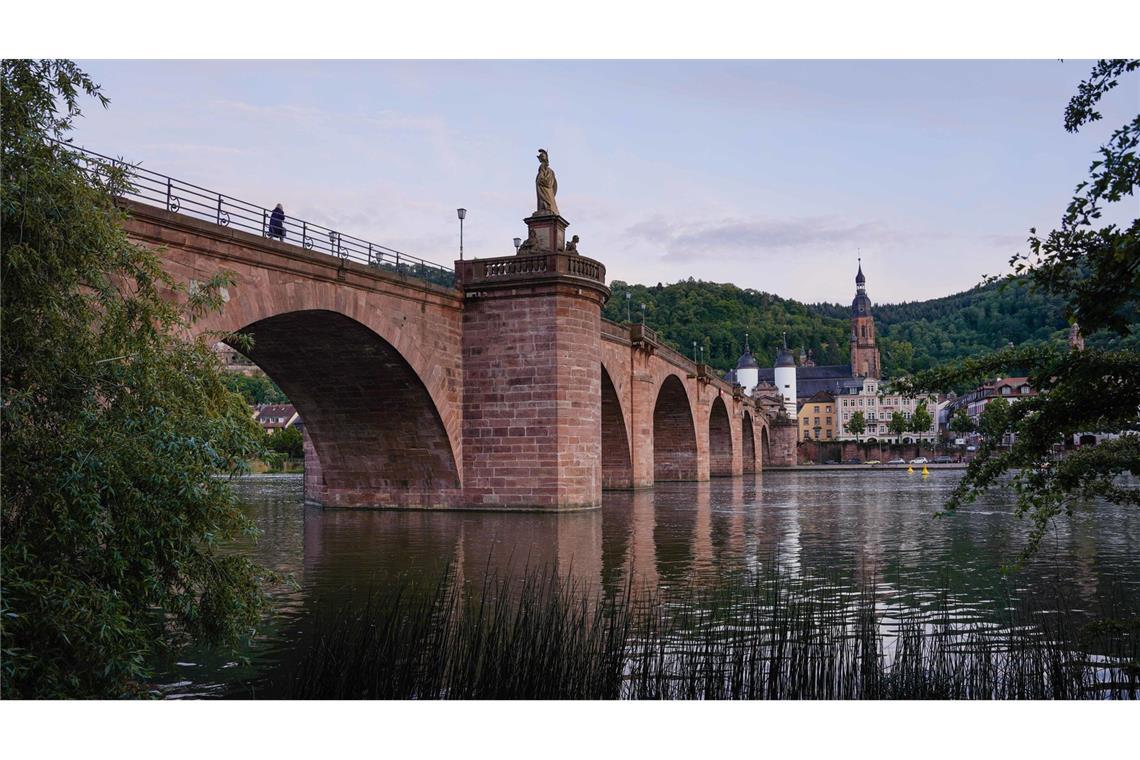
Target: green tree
287,441
994,420
114,429
898,425
1096,272
921,420
255,389
857,425
961,422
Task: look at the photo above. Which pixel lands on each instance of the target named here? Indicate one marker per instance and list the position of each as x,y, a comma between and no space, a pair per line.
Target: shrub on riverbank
774,638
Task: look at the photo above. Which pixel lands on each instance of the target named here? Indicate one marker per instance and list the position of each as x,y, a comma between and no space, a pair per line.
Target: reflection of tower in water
703,571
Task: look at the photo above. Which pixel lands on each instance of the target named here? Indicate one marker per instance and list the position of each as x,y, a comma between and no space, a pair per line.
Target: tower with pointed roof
785,377
864,351
747,370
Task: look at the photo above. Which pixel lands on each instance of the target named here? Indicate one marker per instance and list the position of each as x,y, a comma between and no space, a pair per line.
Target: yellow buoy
909,470
925,472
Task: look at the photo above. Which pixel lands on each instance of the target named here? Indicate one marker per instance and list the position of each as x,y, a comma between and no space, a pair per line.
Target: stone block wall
783,437
532,398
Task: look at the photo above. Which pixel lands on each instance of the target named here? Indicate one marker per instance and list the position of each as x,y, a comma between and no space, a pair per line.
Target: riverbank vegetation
114,426
775,636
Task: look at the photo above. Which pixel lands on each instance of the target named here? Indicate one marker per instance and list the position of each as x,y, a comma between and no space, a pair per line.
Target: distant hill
912,336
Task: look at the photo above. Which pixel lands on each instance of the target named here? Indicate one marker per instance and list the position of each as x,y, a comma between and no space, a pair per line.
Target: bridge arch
674,434
376,431
617,462
748,444
765,447
720,440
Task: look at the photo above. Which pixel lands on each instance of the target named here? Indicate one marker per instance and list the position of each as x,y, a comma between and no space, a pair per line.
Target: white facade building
868,396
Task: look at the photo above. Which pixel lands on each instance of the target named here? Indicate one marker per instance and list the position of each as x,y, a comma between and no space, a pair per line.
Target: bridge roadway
508,391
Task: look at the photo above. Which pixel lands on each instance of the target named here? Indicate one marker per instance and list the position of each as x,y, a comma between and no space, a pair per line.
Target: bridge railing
482,272
181,197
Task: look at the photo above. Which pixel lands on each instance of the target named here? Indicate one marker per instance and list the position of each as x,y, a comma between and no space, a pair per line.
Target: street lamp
462,212
518,242
642,313
628,295
694,350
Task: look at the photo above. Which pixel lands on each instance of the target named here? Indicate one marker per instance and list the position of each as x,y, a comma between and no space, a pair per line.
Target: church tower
864,352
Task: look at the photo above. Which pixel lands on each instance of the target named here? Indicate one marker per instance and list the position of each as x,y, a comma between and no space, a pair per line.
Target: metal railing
181,197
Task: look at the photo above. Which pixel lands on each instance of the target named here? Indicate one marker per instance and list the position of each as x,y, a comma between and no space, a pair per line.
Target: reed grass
774,637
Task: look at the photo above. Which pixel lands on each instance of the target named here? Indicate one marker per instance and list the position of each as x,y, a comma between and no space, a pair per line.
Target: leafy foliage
255,389
1095,272
287,441
114,428
857,424
961,422
898,424
920,419
912,336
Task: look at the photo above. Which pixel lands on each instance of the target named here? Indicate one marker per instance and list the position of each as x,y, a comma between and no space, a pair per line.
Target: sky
772,175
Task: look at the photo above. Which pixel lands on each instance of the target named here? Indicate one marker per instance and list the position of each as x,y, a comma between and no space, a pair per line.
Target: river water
862,527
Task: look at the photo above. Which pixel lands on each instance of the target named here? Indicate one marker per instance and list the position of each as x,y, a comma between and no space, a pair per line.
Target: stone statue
572,246
546,187
530,245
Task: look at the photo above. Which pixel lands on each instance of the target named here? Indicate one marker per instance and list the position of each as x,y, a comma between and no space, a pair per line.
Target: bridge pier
532,397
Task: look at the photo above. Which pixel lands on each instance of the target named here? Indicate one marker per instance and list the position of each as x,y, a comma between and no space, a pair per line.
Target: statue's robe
546,186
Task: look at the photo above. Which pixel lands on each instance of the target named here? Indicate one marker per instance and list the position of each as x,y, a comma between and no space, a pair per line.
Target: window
829,422
1005,390
816,409
1024,390
828,433
817,420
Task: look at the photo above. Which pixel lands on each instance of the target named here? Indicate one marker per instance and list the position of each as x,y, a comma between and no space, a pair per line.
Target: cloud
745,238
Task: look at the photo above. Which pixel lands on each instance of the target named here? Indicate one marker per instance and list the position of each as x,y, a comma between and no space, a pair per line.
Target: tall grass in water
542,637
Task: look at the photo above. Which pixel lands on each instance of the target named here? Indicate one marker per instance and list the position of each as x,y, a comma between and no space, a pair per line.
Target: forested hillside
912,336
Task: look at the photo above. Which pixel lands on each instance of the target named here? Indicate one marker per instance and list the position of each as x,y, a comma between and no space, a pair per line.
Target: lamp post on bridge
462,212
517,242
628,295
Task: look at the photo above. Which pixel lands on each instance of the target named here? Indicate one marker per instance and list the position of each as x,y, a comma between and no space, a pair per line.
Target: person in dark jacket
277,223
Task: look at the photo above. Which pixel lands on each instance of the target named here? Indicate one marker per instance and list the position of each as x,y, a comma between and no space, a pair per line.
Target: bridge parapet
510,271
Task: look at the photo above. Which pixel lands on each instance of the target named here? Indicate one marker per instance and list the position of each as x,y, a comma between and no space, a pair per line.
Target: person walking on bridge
277,223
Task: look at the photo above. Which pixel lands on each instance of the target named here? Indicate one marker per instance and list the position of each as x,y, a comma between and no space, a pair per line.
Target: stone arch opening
748,444
765,447
374,429
720,440
674,435
617,465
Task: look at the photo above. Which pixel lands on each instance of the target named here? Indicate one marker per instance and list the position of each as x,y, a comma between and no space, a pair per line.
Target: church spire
864,352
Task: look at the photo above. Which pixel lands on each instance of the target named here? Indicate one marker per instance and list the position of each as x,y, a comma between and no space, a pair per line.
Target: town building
801,382
818,420
974,402
274,417
838,391
878,405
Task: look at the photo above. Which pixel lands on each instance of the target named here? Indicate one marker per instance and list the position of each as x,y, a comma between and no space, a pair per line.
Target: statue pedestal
549,230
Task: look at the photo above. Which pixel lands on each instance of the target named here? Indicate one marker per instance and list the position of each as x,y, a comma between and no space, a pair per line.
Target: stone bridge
507,391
